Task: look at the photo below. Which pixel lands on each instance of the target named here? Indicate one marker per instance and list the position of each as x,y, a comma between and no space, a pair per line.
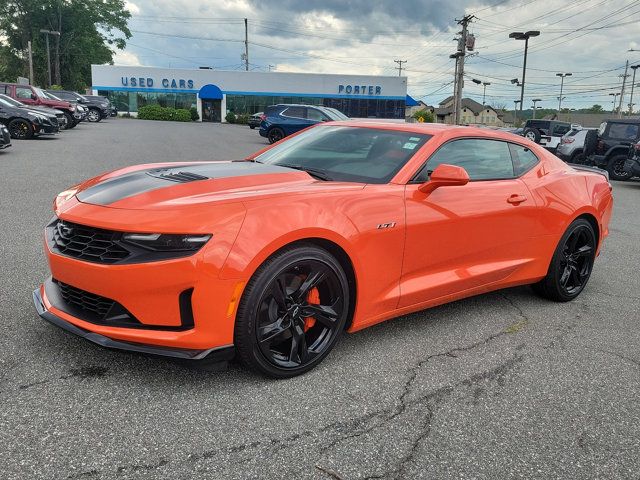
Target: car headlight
165,242
72,108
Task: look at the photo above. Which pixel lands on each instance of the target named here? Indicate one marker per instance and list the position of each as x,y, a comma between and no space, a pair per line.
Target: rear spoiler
586,168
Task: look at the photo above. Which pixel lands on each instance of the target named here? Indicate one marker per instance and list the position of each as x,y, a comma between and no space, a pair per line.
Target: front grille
88,302
87,243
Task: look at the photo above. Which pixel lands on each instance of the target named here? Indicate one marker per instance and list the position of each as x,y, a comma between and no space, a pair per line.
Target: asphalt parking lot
504,385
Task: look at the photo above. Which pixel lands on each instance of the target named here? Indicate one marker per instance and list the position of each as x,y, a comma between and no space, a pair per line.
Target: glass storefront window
130,101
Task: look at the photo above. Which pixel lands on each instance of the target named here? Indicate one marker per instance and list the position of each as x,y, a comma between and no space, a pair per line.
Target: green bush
426,115
156,112
242,119
230,117
194,114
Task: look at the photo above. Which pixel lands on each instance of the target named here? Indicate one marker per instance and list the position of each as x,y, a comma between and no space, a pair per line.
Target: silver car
571,145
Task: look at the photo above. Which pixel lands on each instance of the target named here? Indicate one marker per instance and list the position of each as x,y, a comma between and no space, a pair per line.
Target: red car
33,96
338,227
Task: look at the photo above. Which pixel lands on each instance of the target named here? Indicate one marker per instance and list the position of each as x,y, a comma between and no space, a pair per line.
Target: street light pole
615,96
484,87
633,84
524,36
535,101
561,75
515,111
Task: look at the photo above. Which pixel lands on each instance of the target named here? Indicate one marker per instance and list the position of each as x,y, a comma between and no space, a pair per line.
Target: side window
623,131
317,115
23,92
560,130
295,112
482,159
523,159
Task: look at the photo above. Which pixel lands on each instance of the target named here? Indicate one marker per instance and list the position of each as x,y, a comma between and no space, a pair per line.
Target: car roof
623,120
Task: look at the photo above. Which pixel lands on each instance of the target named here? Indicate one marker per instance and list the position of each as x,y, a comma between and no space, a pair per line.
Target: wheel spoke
299,351
324,314
279,293
565,276
274,333
583,251
575,277
573,242
313,279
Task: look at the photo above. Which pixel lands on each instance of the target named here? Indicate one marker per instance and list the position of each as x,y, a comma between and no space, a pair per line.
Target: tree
89,31
596,109
498,106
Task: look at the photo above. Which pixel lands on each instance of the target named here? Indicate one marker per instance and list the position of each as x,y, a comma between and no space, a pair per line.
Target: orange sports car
338,227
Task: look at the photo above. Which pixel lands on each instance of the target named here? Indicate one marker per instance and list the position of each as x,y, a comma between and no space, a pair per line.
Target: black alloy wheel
69,121
20,129
616,170
292,312
275,135
572,263
94,115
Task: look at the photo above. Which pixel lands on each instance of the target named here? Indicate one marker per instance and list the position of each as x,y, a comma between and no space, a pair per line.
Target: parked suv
571,145
33,96
284,119
545,132
98,109
608,147
24,122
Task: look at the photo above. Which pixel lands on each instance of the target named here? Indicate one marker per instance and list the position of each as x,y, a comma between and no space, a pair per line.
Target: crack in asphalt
359,426
622,357
90,371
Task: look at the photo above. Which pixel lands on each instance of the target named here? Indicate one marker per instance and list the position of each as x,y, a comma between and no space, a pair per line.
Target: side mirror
34,96
445,176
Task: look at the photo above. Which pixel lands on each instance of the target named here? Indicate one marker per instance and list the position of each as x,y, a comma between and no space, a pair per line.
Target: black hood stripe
143,181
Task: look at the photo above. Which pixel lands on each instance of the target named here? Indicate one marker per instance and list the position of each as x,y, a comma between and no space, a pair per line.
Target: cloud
132,7
126,58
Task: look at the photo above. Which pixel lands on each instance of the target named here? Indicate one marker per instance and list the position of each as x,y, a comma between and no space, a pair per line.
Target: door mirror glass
445,176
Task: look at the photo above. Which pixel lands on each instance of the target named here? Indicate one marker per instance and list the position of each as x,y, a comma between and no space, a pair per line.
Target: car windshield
48,95
348,154
10,102
39,93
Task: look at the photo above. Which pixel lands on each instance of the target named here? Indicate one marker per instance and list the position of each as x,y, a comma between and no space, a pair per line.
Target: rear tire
615,167
571,264
532,134
275,135
292,312
94,115
577,158
590,141
20,129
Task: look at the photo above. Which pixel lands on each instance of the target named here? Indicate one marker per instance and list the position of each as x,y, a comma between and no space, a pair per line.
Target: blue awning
210,92
411,102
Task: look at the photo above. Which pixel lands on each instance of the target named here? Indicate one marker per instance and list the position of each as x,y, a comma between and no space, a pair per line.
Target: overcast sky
589,38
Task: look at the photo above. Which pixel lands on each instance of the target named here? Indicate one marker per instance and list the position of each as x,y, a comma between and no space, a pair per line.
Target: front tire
292,312
571,264
68,123
94,115
615,167
20,129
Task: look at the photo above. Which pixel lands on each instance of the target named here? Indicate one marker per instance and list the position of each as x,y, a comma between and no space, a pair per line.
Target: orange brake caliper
312,297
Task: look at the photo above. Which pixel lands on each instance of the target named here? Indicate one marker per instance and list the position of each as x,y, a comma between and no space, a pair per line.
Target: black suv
24,122
546,132
98,109
608,147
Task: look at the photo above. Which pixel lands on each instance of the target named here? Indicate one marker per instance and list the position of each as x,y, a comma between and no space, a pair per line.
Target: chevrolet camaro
339,227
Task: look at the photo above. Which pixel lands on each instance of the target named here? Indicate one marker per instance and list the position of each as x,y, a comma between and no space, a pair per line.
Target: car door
25,95
460,238
316,116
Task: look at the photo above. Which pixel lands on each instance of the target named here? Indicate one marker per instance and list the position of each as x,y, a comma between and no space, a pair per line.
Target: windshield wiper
314,172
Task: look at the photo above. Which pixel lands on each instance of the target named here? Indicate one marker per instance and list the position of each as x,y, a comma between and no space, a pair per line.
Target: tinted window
625,131
561,129
313,114
523,159
23,92
350,154
297,112
482,159
538,124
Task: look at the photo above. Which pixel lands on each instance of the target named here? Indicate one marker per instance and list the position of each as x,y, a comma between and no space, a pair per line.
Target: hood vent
177,176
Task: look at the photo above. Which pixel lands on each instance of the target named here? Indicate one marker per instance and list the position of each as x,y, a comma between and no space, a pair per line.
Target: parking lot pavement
503,385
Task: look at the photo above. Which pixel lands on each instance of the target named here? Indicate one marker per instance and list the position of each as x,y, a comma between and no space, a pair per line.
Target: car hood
167,186
47,111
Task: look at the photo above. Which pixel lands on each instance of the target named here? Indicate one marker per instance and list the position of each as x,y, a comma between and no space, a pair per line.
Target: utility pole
246,45
58,76
399,67
624,82
535,106
462,49
47,33
455,86
633,84
615,96
515,112
31,63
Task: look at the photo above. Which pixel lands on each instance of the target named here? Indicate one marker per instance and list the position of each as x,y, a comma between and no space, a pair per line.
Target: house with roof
472,113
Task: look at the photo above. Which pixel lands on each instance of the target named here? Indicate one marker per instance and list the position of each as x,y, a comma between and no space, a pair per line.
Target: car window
295,112
482,159
23,92
348,154
561,129
313,114
523,159
624,131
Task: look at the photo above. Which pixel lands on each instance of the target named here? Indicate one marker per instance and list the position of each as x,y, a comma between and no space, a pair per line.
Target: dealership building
216,92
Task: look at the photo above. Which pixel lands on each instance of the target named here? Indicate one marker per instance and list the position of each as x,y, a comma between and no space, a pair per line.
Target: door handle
516,199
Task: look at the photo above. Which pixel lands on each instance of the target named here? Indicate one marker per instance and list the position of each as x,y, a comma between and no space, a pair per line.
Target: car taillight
636,147
568,140
263,117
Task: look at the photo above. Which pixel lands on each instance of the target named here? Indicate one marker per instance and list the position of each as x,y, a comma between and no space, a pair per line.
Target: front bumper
216,354
47,129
